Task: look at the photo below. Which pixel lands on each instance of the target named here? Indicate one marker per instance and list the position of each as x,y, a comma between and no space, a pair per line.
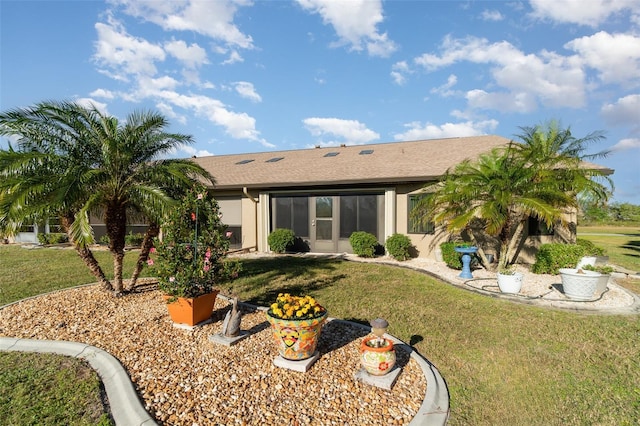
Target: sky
245,76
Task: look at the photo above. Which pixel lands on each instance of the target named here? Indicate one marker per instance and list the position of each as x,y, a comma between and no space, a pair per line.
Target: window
274,160
291,213
415,226
366,152
244,161
537,227
231,215
331,154
358,213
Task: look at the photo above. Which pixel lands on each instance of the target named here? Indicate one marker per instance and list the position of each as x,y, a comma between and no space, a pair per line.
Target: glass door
324,235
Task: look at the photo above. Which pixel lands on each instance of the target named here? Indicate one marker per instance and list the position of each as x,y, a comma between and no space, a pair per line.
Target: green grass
49,390
504,363
44,389
622,243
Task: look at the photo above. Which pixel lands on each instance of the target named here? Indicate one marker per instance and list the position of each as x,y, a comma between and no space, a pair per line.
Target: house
325,194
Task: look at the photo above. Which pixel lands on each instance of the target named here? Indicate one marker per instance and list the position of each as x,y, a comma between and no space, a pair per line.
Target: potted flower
579,283
189,258
377,355
296,322
509,280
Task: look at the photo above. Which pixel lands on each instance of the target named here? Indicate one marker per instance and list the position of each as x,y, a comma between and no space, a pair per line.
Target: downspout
255,214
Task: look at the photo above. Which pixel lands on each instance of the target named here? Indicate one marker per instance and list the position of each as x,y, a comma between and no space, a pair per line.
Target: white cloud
625,111
102,93
491,15
169,112
526,79
191,151
626,144
355,22
246,90
615,56
418,131
591,12
521,102
123,53
445,89
234,57
210,18
350,131
191,56
399,72
92,103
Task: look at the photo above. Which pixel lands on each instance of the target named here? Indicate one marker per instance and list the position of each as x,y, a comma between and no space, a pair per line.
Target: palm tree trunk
115,219
152,231
86,254
87,257
118,260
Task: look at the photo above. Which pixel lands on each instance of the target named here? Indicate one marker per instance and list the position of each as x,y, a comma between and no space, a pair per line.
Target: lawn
622,244
504,363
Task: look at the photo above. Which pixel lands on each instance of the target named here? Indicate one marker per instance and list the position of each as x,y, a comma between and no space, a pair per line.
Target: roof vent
366,152
244,161
274,160
331,154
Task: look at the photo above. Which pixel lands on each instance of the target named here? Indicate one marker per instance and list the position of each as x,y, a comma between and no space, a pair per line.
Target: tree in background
540,177
72,162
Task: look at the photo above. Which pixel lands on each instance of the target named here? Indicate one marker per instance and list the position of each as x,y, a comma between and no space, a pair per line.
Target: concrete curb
125,405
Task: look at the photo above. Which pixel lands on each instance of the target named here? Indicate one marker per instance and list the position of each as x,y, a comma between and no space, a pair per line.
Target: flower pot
296,339
377,361
602,283
579,286
510,283
191,310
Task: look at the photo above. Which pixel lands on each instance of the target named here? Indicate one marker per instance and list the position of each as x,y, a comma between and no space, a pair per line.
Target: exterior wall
426,245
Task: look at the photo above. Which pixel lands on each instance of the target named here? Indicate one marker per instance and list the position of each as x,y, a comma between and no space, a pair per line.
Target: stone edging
125,405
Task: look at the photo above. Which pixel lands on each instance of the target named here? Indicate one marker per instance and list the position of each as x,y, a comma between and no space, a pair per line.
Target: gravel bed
184,379
540,289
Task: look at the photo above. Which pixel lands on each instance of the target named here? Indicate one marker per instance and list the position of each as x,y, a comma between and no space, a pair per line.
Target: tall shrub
190,257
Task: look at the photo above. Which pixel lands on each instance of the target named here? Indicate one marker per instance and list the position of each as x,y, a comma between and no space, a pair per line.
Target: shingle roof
388,162
415,161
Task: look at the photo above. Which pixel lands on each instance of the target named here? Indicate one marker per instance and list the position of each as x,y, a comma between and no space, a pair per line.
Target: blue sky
246,76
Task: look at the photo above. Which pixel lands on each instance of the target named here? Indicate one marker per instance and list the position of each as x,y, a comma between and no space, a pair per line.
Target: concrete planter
510,283
579,286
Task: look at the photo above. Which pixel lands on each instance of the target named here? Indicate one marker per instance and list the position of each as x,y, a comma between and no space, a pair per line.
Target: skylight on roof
274,160
366,152
331,154
244,161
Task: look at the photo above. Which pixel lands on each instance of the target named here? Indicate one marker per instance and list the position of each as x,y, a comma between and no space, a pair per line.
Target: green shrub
551,257
590,249
104,240
53,238
363,243
281,239
450,256
398,246
133,240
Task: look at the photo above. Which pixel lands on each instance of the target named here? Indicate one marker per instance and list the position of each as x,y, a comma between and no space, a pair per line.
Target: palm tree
73,161
497,194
